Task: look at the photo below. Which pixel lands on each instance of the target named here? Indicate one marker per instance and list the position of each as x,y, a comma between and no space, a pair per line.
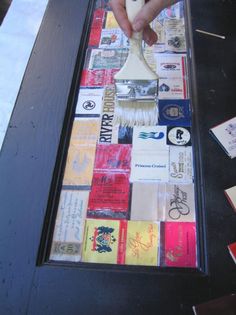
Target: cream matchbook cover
231,196
225,134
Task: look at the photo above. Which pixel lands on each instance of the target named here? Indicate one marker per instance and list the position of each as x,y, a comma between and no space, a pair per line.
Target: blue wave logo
151,135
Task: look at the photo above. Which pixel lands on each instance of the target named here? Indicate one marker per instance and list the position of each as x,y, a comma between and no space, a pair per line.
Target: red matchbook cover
232,251
113,157
109,196
96,27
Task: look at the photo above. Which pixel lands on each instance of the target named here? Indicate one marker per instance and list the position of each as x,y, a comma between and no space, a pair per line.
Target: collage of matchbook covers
127,194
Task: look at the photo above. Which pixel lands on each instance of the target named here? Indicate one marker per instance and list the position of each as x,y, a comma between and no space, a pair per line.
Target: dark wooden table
31,158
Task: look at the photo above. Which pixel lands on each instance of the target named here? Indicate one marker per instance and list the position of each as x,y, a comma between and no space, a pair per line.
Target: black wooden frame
47,234
42,117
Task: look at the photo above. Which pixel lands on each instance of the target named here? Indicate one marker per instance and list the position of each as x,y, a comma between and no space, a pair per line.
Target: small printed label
111,38
181,164
173,88
89,102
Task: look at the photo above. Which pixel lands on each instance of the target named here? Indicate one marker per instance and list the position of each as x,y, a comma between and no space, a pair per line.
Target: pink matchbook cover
179,245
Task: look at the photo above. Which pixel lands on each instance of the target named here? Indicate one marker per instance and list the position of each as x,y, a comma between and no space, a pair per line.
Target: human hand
141,22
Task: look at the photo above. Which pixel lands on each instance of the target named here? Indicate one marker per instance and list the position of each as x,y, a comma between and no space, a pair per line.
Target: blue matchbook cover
174,112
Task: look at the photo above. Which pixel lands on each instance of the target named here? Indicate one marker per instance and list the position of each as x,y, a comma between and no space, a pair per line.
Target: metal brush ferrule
136,90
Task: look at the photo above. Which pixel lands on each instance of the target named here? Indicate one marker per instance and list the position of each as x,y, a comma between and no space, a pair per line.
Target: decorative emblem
102,239
89,105
169,67
179,136
151,135
164,88
174,254
173,112
175,42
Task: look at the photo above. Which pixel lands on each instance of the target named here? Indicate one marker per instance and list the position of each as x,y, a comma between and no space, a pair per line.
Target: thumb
147,14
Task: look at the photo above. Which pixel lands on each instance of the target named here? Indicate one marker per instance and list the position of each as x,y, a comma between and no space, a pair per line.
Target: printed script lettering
138,245
178,204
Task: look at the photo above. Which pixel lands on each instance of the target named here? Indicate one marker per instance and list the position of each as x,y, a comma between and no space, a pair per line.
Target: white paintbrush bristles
136,113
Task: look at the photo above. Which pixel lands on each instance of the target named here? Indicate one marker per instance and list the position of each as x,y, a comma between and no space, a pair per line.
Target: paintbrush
136,84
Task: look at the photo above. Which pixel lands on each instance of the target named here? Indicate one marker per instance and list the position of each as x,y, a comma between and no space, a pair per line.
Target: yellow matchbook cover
142,243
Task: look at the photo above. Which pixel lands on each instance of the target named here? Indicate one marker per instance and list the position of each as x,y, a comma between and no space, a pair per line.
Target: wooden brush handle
132,9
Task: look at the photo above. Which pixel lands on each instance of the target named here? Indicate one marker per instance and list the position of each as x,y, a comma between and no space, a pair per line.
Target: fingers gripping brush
136,84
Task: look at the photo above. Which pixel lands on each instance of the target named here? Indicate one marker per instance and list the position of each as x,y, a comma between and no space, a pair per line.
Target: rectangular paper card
180,204
149,166
174,112
111,22
142,243
94,37
107,58
69,226
158,27
111,38
171,65
179,245
104,241
89,102
109,196
125,135
149,138
150,57
225,134
181,164
231,196
232,251
155,208
173,88
96,27
98,18
85,131
79,165
113,157
144,205
175,40
98,78
172,12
